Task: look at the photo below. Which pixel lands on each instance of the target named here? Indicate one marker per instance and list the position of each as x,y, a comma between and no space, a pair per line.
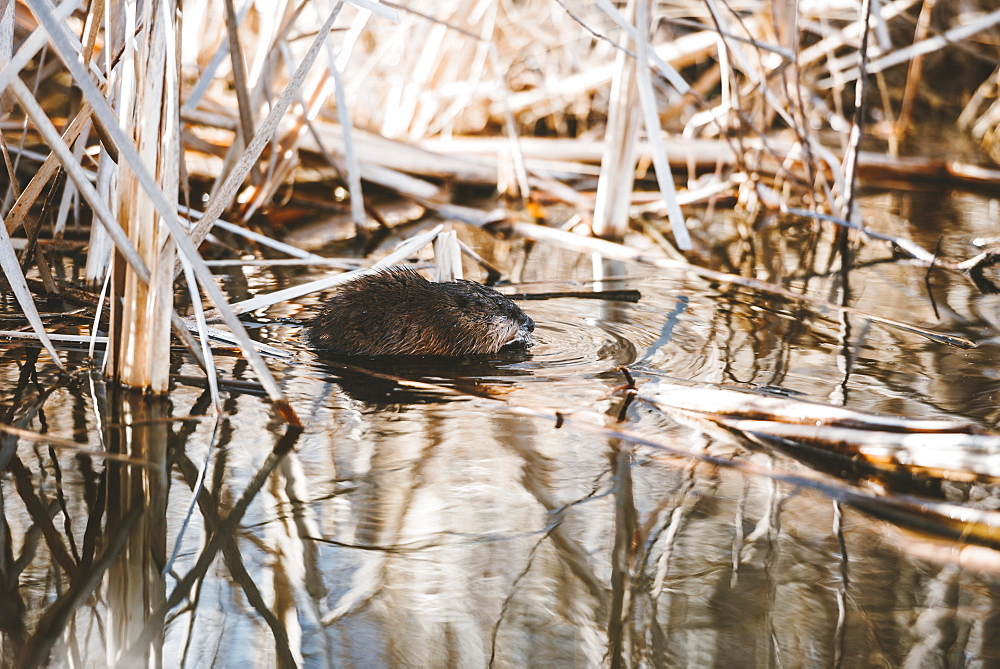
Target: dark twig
927,279
610,295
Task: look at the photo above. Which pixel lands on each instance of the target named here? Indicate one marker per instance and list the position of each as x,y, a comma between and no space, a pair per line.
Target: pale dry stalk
149,89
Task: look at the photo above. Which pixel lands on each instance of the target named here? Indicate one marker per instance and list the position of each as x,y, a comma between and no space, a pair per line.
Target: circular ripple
579,346
575,340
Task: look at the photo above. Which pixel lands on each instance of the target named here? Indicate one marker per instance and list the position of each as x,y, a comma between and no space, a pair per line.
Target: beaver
398,312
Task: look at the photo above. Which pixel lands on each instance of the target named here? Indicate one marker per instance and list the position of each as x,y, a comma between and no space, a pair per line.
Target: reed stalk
615,184
148,90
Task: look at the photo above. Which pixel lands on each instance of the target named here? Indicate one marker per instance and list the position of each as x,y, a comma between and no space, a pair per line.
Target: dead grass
707,100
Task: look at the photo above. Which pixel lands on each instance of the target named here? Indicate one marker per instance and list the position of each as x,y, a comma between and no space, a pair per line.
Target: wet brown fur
398,312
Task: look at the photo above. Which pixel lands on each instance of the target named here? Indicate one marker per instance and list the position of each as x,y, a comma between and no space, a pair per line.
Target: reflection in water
667,333
134,581
384,380
405,528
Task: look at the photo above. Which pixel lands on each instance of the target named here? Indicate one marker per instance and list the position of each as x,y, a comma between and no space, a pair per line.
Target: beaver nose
529,324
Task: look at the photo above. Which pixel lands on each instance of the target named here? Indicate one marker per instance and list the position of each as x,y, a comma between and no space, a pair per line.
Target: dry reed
749,100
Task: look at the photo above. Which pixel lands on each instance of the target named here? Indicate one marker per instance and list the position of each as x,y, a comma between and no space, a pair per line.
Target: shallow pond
507,511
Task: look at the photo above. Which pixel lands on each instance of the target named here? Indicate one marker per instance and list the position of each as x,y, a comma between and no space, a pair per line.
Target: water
485,512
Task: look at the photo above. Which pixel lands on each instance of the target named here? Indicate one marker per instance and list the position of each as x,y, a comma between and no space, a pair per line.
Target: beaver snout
522,337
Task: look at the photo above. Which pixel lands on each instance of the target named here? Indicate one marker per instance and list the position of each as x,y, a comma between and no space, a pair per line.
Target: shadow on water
521,526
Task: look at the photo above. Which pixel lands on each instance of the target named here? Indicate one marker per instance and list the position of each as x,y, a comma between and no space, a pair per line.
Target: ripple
575,340
574,346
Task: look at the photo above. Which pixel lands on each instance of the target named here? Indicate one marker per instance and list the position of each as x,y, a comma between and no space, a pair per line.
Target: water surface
484,512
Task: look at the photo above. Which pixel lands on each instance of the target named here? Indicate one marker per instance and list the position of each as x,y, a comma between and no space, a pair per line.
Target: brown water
433,526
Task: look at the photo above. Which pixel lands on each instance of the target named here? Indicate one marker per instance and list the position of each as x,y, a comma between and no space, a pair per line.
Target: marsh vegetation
758,424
